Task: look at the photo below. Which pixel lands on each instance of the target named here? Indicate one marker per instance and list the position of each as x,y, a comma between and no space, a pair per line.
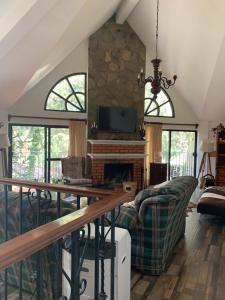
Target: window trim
195,154
85,94
158,107
47,148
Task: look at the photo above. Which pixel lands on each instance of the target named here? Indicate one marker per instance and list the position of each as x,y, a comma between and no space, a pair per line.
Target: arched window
162,106
68,94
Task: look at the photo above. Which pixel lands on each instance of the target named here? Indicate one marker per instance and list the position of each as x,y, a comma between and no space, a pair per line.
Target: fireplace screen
117,173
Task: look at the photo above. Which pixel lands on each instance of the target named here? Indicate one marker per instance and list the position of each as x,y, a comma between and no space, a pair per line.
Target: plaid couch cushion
29,217
179,186
126,216
144,194
163,205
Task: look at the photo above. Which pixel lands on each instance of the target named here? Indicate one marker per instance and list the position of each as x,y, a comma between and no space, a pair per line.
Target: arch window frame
80,108
147,113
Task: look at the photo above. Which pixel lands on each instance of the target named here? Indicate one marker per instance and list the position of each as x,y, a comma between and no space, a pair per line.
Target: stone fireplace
116,55
117,161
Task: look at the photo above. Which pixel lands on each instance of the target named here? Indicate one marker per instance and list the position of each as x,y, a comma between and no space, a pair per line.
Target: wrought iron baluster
1,287
20,231
112,254
78,201
91,199
39,268
96,259
102,295
6,238
75,262
59,253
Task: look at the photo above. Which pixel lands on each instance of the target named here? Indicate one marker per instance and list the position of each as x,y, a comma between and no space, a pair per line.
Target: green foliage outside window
182,147
162,106
68,94
30,153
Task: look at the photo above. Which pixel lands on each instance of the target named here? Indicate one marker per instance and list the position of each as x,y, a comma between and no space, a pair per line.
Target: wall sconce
94,130
142,132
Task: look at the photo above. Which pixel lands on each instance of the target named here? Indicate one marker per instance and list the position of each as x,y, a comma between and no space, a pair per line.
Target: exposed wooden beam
125,10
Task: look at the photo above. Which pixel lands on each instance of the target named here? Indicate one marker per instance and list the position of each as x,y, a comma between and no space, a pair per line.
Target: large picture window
162,106
179,148
68,94
36,151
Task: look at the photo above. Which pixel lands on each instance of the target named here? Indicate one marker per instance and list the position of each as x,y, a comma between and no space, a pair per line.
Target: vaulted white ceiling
36,35
191,45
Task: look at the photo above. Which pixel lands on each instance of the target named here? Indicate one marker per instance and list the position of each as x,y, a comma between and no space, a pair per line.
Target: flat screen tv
117,119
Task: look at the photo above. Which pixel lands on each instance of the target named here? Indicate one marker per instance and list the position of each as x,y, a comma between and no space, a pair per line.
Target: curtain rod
180,124
45,118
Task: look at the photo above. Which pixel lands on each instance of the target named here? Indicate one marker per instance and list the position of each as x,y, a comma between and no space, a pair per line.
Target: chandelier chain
158,81
157,30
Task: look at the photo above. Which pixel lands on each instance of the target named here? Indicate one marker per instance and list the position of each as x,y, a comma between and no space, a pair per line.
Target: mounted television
117,119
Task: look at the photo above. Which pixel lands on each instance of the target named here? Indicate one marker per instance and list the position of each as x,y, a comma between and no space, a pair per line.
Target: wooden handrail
77,190
28,243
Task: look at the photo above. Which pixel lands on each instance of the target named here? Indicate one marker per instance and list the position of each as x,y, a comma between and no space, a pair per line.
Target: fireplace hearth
118,172
115,161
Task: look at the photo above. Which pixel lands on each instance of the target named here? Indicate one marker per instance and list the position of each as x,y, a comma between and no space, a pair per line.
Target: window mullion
49,153
46,153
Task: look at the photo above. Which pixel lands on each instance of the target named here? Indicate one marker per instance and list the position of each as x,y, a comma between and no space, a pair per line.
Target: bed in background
212,201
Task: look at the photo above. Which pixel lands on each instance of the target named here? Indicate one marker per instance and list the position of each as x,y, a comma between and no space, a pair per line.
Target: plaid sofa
48,255
156,221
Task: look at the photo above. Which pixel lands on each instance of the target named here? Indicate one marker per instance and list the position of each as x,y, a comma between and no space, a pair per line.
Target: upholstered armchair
75,169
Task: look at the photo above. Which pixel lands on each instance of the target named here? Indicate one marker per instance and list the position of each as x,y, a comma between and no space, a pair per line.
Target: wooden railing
26,244
76,190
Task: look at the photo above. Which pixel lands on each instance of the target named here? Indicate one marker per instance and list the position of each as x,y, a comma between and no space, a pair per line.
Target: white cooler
122,268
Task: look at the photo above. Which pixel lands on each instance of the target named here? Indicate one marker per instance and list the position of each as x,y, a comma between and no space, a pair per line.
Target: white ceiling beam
75,35
11,12
125,10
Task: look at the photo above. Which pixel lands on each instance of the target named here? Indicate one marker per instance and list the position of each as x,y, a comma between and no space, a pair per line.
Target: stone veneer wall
116,56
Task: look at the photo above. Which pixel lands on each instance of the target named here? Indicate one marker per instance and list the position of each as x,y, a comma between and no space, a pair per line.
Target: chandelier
157,80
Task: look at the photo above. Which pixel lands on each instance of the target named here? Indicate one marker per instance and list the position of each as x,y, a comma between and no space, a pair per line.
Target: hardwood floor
197,271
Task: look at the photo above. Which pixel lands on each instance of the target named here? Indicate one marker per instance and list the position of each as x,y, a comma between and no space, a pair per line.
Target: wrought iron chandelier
157,80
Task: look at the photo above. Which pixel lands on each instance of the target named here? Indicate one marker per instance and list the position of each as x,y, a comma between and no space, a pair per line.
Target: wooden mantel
116,142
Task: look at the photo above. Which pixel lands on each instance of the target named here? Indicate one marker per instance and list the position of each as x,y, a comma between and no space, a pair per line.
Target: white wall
183,112
32,103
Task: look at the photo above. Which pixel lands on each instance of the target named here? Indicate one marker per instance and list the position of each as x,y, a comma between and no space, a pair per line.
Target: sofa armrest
157,209
126,216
